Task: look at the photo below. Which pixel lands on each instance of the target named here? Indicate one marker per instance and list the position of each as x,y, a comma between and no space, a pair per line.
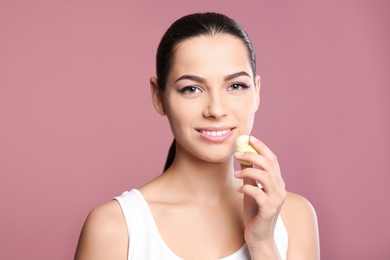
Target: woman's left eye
237,86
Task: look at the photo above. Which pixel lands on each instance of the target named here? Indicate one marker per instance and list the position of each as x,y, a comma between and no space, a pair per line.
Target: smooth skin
202,207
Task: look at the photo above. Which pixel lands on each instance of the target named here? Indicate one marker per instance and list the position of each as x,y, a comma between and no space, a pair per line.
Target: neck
200,180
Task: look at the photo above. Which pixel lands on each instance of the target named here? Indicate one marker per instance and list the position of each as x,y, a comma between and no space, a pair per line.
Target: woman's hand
261,205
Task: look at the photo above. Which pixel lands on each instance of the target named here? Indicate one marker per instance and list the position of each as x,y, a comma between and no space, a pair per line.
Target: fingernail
239,153
237,173
253,139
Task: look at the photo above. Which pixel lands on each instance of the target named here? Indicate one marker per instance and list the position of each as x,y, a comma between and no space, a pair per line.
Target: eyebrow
191,77
202,80
236,75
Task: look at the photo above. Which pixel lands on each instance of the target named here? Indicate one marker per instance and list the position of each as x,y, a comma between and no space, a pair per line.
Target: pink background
77,126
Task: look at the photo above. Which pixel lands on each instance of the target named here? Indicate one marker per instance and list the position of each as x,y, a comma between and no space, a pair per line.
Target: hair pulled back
187,27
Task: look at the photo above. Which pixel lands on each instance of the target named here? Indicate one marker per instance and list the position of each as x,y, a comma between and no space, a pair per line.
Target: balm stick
242,145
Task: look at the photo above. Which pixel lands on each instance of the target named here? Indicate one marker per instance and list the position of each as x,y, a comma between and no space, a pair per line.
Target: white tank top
147,243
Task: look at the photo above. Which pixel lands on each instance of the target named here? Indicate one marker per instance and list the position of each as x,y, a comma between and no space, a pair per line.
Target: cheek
179,119
244,106
245,111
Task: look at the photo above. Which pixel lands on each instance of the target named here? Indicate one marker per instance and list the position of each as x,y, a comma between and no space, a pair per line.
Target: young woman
200,207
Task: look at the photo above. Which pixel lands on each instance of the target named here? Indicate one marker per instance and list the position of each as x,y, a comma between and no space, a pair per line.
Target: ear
157,96
257,86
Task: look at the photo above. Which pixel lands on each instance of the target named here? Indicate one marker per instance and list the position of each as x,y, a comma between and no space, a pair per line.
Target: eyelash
193,88
186,89
242,86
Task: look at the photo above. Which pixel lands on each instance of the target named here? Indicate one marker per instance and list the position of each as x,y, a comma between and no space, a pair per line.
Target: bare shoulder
300,219
104,234
297,206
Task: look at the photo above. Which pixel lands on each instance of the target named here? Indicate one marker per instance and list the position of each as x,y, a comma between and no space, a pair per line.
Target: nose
215,107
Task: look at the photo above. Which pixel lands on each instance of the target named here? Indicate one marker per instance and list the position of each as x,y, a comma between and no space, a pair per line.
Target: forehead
211,54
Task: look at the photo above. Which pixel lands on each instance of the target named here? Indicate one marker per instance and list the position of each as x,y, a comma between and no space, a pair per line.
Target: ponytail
171,155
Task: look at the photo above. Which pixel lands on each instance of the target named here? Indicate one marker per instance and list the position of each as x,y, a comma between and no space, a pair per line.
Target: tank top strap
145,241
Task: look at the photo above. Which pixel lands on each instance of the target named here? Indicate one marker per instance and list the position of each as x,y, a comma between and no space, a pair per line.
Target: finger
243,167
267,205
259,177
244,164
261,148
256,159
259,197
266,152
261,162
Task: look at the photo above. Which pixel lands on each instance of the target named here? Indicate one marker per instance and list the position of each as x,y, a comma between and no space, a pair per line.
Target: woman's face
211,96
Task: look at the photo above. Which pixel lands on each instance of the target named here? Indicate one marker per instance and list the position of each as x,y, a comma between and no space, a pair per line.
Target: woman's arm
263,205
300,220
104,234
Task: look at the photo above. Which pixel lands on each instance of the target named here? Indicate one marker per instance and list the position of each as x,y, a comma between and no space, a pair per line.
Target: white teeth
215,133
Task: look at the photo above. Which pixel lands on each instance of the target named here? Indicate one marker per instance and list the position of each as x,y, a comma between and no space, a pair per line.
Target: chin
216,159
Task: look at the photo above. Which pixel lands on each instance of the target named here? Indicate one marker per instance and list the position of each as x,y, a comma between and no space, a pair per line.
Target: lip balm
242,145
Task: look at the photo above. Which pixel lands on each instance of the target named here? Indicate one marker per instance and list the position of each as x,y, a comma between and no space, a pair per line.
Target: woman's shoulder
106,218
104,233
295,201
300,219
298,210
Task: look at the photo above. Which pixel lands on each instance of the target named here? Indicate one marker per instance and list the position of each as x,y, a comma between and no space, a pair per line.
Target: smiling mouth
215,133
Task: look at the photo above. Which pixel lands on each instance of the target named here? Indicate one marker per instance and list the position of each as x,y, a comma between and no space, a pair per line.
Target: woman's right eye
190,90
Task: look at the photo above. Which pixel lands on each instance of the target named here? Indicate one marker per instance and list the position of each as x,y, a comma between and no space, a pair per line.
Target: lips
215,135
